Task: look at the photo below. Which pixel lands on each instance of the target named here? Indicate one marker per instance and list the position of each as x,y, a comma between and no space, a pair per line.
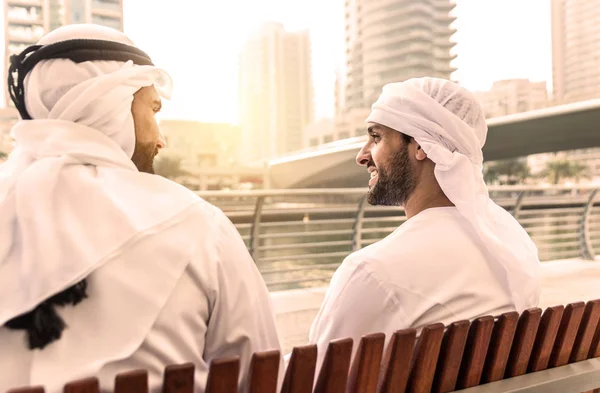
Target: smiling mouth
374,174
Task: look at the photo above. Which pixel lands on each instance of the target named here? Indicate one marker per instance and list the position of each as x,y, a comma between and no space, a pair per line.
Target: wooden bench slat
569,325
473,360
179,378
396,362
451,353
333,375
522,347
595,345
223,376
87,385
364,372
464,355
300,372
544,341
132,382
586,333
425,359
500,346
264,369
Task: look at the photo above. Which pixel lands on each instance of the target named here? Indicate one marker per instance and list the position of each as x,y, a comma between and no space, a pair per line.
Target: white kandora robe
443,264
169,278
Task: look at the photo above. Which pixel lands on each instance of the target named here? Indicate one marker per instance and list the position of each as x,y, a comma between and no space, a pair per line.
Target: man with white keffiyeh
458,255
104,266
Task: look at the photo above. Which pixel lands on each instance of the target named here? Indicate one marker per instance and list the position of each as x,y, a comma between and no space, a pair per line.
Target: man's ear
420,154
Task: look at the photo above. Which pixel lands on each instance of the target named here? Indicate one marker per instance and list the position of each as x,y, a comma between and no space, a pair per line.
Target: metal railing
299,237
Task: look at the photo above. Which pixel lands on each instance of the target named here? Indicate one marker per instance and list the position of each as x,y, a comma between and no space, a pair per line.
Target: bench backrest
442,359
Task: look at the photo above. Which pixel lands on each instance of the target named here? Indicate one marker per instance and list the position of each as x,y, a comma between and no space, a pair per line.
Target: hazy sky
198,43
502,39
497,39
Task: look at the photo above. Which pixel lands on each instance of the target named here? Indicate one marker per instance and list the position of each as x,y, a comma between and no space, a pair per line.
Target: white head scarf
448,123
71,199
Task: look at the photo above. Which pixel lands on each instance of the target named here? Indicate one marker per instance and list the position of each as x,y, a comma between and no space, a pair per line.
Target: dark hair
43,324
406,138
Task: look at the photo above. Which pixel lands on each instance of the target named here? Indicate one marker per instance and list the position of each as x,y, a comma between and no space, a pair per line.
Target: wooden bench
556,350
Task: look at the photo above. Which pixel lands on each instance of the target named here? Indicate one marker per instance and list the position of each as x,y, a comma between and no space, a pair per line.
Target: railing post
518,204
255,230
587,251
357,228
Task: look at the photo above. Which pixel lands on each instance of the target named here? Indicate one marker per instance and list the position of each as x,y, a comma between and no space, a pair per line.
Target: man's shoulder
357,264
440,228
204,217
203,207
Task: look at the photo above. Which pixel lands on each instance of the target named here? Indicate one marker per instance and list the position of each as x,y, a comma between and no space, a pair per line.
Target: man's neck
423,199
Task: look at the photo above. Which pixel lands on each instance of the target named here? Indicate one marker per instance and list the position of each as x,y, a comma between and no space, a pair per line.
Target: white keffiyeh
449,125
71,199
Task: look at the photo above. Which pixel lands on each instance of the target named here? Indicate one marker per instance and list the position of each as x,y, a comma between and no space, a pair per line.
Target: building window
344,135
113,5
77,11
327,138
313,142
29,33
29,14
360,131
114,23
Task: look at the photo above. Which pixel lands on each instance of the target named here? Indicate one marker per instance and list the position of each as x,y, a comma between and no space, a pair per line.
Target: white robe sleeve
356,304
241,319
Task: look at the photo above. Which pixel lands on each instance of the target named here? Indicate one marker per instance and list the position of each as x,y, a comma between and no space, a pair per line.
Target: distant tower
394,40
26,21
276,94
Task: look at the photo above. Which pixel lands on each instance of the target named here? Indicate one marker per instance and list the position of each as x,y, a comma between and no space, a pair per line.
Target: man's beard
395,184
143,156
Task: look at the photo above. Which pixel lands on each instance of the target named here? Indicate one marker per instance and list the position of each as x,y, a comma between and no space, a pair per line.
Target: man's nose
364,156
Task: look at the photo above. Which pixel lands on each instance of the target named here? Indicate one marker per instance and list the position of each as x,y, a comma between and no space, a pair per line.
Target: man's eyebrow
373,128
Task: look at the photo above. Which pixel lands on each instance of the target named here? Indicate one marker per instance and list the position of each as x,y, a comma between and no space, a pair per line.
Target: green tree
490,175
168,166
579,171
559,169
511,171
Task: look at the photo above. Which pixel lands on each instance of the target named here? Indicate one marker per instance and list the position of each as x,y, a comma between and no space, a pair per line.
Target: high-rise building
26,21
575,68
276,94
513,96
100,12
394,40
205,156
338,92
201,145
319,132
575,50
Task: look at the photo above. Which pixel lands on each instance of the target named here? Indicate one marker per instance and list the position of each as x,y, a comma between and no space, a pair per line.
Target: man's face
148,139
386,156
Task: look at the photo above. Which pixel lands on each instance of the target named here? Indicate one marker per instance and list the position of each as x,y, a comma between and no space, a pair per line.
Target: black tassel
43,324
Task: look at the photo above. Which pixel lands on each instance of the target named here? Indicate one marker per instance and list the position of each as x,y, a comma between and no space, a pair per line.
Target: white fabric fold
123,303
95,94
71,199
416,108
